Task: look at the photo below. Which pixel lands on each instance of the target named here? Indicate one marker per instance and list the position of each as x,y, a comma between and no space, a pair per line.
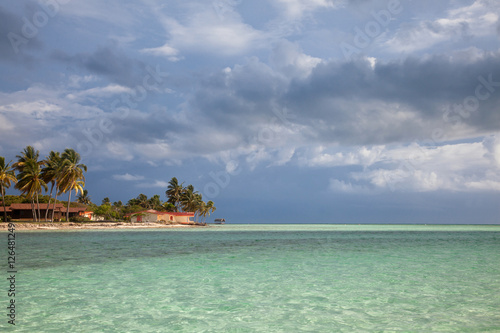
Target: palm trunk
38,207
54,206
4,209
48,205
47,208
67,210
33,210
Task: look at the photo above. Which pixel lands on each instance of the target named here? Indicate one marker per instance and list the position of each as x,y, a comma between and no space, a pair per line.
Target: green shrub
79,219
9,219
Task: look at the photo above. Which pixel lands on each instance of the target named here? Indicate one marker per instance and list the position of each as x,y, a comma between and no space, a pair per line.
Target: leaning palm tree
174,193
209,208
51,173
198,205
78,188
30,183
72,177
7,175
200,209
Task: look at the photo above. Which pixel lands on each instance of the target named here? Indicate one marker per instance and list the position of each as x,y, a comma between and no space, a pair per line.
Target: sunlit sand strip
57,226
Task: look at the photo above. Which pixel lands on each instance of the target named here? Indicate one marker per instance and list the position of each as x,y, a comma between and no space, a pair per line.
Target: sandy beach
97,225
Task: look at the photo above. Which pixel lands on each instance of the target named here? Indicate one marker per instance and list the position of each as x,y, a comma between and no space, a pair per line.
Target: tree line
63,171
179,199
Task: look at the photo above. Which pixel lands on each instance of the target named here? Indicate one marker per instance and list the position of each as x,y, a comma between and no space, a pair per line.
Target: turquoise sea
258,278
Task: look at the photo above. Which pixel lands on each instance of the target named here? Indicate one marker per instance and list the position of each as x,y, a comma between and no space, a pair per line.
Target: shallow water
260,278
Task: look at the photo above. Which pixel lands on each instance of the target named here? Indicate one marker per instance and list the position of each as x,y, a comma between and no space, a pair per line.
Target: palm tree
188,199
198,205
155,202
192,201
84,198
72,177
201,207
58,164
7,175
174,193
208,209
30,182
51,173
143,201
78,187
28,156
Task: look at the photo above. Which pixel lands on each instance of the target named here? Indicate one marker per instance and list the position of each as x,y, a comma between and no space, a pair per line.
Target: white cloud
461,167
358,156
75,81
37,114
484,185
156,183
478,19
492,146
341,186
165,50
455,167
204,31
257,156
295,9
155,151
405,179
107,91
128,177
289,59
5,125
283,156
37,109
45,102
119,151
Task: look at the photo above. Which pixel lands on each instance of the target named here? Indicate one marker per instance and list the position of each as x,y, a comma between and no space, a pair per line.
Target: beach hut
177,217
149,215
152,215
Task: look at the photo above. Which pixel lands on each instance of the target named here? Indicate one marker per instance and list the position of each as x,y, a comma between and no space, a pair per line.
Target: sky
280,111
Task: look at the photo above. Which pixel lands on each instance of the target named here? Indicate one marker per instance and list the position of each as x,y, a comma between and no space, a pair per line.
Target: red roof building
24,211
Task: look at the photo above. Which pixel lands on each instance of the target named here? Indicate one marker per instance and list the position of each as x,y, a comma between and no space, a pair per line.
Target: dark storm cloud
421,84
351,102
13,43
238,101
157,125
423,87
107,61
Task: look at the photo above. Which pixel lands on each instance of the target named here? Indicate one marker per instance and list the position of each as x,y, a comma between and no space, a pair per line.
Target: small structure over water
220,221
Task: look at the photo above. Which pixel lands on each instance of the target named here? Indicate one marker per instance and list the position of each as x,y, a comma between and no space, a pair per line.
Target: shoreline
96,225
